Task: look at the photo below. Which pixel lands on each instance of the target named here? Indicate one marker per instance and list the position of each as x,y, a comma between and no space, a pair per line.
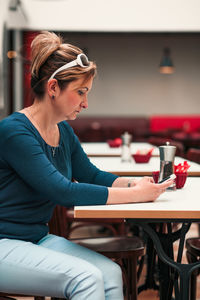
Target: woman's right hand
148,191
144,191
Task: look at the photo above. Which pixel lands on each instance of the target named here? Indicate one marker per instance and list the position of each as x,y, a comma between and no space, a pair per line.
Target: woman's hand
147,190
135,181
144,190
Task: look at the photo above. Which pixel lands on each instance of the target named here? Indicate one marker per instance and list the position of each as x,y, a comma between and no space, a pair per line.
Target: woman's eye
80,92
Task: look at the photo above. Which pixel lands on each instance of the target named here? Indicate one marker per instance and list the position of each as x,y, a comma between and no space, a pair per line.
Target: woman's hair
50,53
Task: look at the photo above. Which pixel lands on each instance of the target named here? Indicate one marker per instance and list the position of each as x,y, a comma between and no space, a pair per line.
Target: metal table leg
184,270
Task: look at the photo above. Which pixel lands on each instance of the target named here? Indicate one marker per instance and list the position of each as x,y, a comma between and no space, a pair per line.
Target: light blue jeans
59,268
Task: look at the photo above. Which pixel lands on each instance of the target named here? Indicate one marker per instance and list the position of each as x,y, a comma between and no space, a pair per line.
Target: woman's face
73,99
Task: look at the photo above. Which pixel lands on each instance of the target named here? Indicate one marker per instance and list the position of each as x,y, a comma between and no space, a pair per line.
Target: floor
146,295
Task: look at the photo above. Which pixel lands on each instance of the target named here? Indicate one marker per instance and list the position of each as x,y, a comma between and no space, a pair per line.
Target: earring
53,97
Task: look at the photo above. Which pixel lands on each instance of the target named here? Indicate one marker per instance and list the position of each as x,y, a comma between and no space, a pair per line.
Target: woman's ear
52,88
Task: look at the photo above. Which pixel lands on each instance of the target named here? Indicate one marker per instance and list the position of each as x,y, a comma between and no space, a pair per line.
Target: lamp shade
166,64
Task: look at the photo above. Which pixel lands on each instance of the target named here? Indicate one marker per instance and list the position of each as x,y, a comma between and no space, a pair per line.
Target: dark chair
115,226
193,154
159,141
193,255
126,251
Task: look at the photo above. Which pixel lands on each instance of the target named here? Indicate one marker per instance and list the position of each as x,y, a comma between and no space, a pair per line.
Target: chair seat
112,244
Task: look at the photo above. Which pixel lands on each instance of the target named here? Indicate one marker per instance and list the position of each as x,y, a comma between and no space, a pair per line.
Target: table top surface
114,165
103,149
180,204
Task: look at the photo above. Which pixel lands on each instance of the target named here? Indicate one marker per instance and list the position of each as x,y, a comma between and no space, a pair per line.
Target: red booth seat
186,123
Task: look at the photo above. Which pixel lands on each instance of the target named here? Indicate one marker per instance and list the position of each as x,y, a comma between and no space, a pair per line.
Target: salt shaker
167,154
126,147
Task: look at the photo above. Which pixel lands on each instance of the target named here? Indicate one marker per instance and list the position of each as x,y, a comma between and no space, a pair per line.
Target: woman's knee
117,270
88,282
113,271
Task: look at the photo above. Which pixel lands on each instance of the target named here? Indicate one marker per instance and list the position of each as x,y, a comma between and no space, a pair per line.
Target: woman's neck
44,121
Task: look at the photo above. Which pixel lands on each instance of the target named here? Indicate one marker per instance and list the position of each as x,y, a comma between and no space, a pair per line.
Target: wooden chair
193,154
115,226
193,255
159,141
126,251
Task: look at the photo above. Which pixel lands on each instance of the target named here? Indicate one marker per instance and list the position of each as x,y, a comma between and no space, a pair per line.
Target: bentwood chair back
193,154
115,226
159,141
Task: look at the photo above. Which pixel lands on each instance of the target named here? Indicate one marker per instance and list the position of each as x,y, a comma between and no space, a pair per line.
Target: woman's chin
72,117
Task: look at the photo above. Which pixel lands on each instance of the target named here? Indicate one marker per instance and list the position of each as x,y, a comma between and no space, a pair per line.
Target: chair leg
193,286
130,276
193,279
133,278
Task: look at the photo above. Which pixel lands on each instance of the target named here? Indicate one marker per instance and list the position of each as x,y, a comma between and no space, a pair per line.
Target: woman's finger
166,184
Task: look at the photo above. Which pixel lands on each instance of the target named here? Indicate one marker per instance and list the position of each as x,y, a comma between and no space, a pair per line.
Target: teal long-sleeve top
33,180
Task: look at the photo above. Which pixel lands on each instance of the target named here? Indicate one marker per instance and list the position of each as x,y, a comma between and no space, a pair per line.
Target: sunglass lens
85,60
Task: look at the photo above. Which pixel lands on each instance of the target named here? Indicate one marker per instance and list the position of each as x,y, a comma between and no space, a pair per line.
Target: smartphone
172,176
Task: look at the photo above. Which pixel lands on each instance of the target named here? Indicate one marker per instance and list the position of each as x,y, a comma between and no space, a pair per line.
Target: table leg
184,270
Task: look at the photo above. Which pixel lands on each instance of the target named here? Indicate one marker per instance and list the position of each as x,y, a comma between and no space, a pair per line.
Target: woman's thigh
27,268
58,267
111,272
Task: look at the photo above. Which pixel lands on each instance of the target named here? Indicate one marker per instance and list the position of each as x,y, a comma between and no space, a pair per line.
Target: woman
39,155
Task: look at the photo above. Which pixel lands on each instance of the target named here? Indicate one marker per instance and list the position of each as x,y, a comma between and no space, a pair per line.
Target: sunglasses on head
81,61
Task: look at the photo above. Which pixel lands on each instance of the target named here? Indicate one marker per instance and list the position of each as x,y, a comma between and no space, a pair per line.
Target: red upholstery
186,123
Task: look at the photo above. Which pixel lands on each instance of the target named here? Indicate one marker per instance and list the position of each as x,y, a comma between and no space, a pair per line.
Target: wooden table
114,165
182,206
103,149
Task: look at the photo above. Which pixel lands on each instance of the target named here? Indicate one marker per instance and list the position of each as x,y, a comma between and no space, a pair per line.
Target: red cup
155,175
114,143
180,178
141,158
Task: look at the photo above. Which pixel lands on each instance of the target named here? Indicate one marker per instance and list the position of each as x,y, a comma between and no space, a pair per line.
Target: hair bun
42,47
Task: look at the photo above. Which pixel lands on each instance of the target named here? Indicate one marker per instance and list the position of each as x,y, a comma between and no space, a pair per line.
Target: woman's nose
84,104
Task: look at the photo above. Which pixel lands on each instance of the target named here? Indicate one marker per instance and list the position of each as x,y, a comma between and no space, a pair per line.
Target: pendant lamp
166,64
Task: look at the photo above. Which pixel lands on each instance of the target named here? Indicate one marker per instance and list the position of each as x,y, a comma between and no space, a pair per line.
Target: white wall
108,15
128,81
